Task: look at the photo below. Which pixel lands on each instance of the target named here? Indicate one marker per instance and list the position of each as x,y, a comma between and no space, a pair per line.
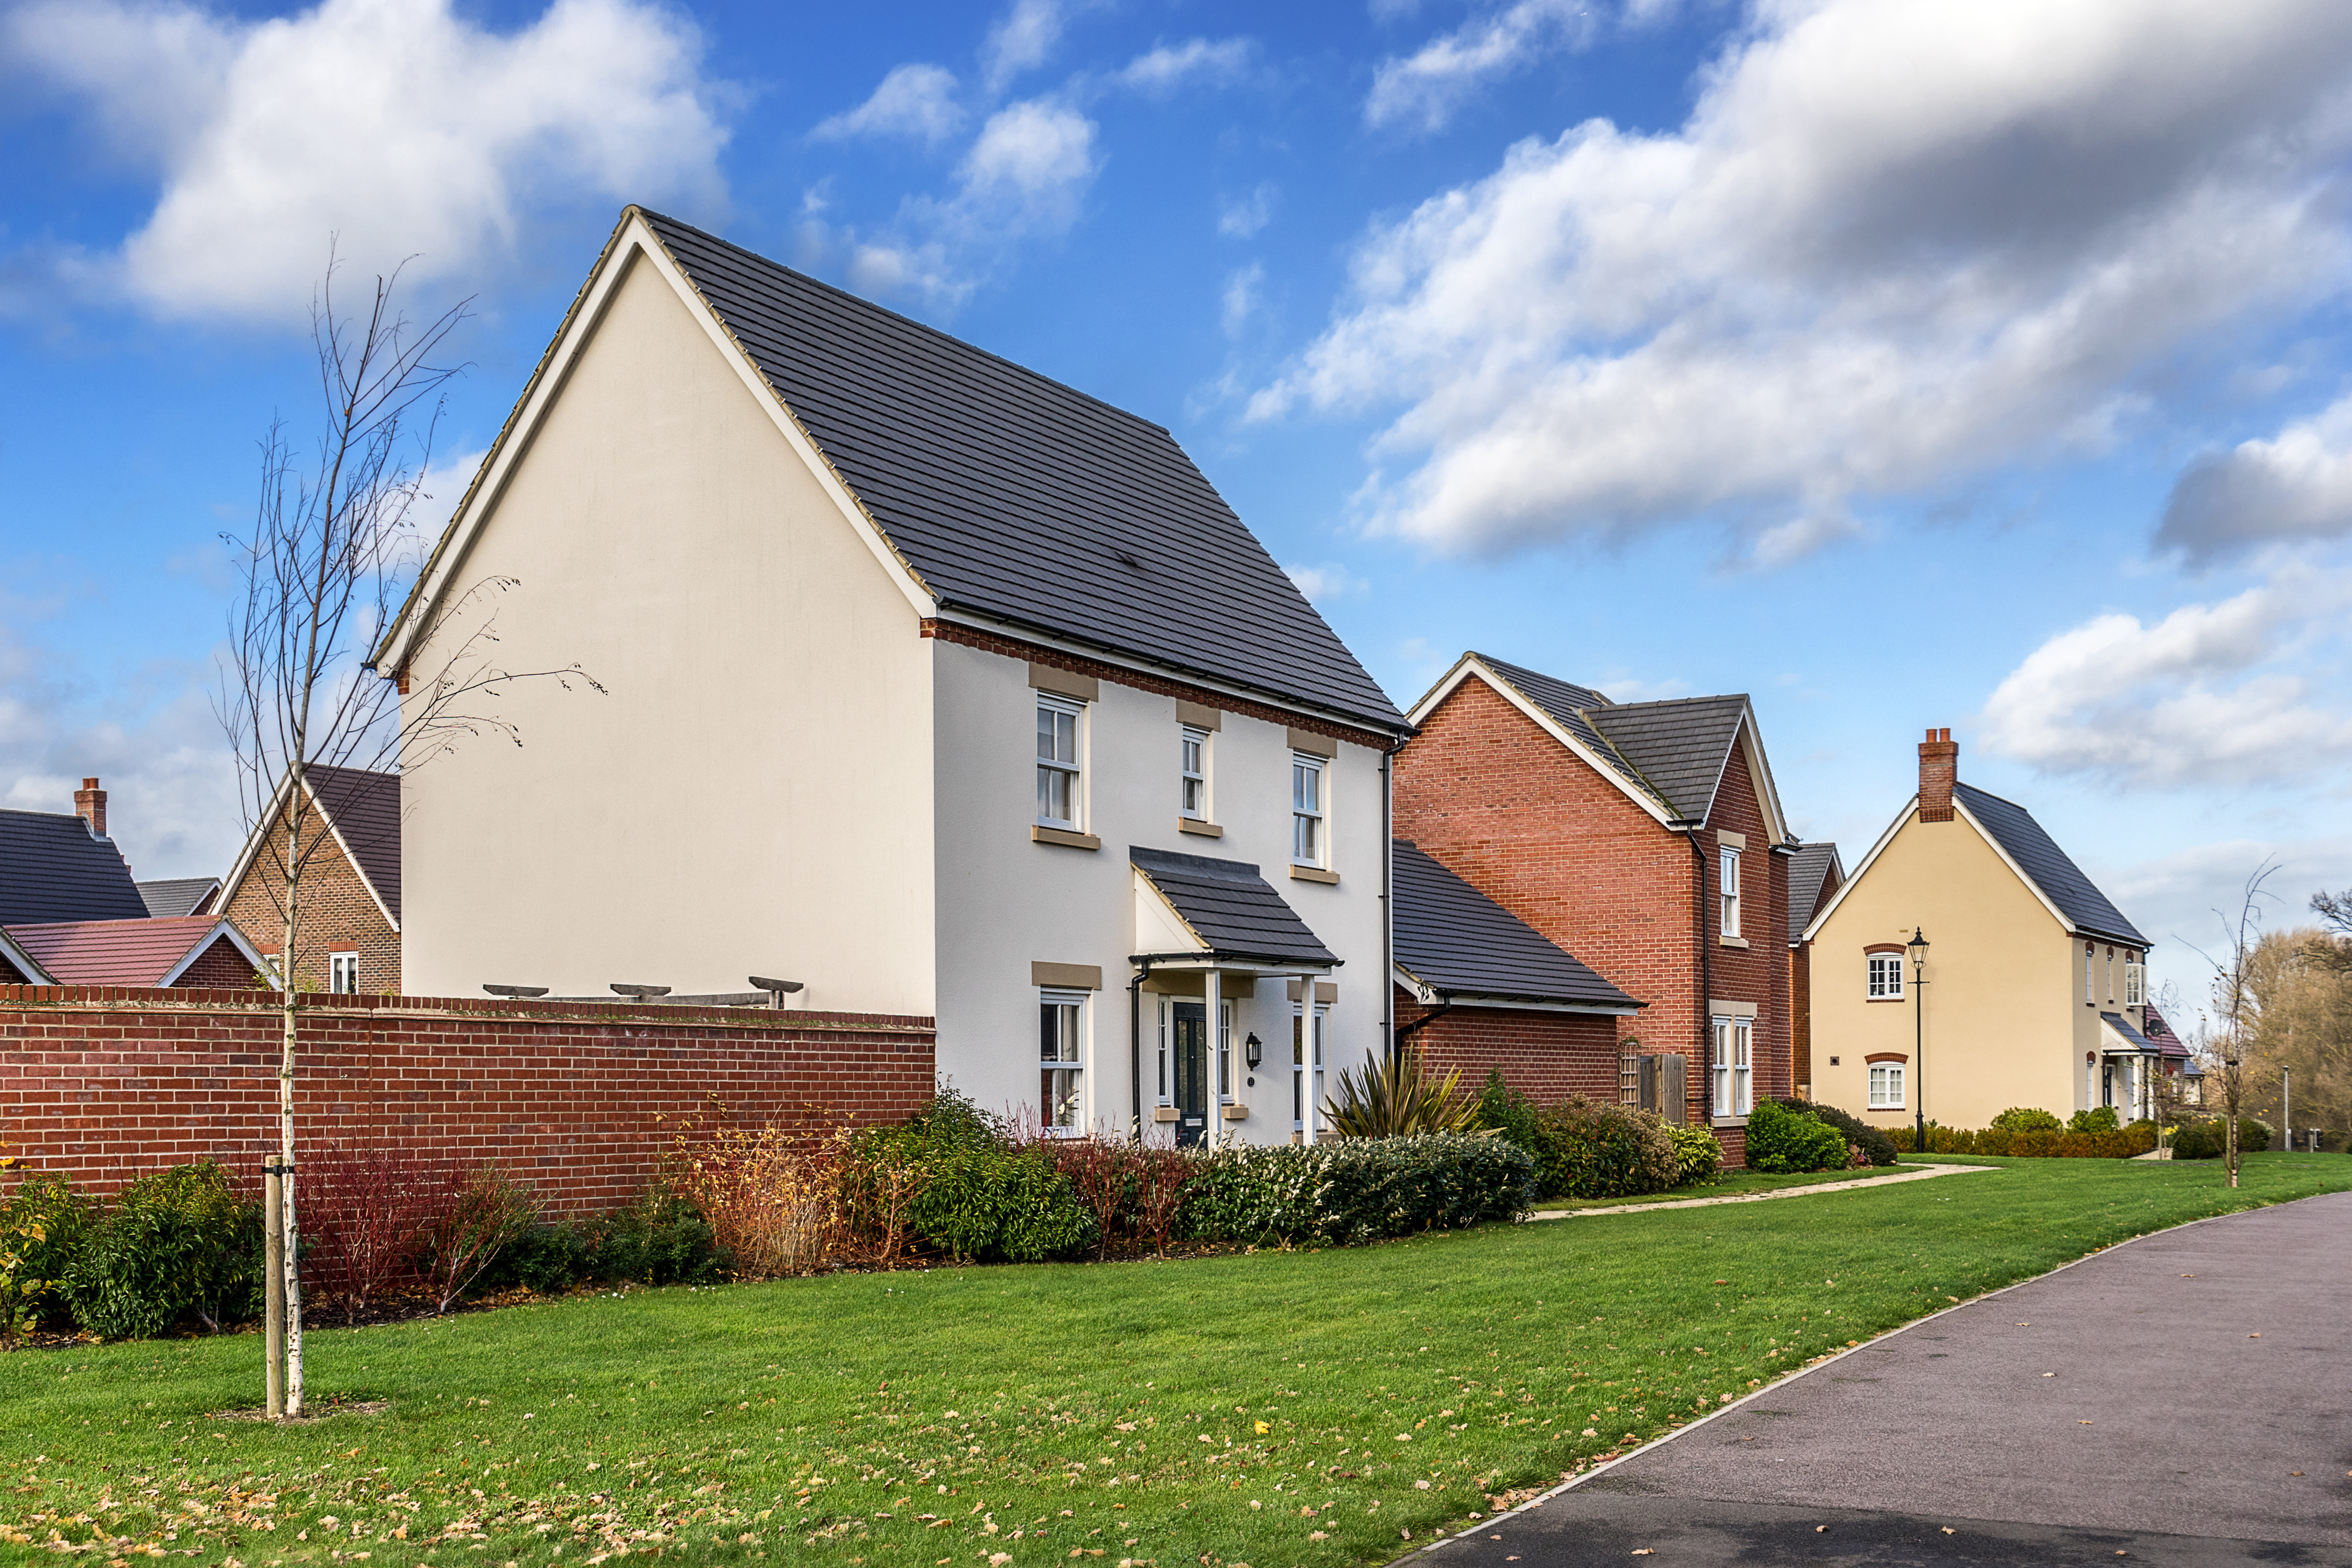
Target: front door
1190,1026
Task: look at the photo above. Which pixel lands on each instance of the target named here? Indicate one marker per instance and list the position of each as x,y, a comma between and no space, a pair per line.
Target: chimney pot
90,805
1939,769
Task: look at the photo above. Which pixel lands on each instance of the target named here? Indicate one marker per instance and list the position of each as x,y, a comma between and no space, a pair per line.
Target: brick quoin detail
338,914
1494,796
101,1084
1547,1056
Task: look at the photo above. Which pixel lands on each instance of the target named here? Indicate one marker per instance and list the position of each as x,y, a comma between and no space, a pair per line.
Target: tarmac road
2184,1399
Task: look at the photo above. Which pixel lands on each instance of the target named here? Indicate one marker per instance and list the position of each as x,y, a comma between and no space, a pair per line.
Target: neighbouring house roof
2160,1032
142,952
1452,940
2129,1039
18,967
1808,872
52,867
362,808
1232,909
2035,852
179,895
1672,753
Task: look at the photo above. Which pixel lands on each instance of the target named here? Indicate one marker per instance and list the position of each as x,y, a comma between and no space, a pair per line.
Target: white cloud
1894,246
1024,176
1242,300
1327,581
1167,68
401,127
1426,87
914,100
2179,900
1244,218
2297,484
1024,37
2212,693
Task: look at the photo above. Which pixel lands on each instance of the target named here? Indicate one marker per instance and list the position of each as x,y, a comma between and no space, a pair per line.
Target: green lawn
1276,1408
1736,1183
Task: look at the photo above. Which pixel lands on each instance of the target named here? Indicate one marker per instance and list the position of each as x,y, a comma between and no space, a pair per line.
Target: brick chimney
90,805
1939,768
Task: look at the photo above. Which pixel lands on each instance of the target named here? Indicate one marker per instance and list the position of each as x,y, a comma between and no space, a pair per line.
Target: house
349,924
1646,838
2180,1063
2036,982
1481,991
180,895
171,950
58,866
1815,873
929,683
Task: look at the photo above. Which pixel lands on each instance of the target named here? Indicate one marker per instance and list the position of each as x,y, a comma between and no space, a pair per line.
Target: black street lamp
1917,948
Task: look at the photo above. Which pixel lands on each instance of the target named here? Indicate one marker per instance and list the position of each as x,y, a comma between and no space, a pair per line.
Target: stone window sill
1313,874
1729,1122
1067,840
1733,941
1195,825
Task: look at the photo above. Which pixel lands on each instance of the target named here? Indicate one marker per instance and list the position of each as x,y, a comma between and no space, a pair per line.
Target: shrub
1698,1158
771,1201
468,1220
659,1239
548,1258
1391,1096
1355,1190
1597,1149
2098,1119
2209,1140
359,1208
1504,1110
50,1224
1876,1147
174,1243
1781,1140
992,1205
2027,1119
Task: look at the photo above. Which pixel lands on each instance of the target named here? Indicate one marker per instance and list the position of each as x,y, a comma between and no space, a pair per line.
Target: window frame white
1884,963
1304,764
342,966
2090,974
1727,880
1732,1046
1225,1063
1898,1074
1167,1085
2135,983
1072,769
1192,774
1073,1009
1307,1065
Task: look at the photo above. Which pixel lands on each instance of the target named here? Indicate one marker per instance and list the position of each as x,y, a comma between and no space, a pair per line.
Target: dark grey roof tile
364,808
2037,854
177,895
1452,938
53,869
1680,746
1232,908
1809,881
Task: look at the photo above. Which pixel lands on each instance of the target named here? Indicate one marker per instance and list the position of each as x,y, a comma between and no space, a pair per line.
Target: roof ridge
860,300
1677,702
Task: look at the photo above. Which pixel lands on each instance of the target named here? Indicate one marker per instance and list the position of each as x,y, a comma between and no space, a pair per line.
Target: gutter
1392,1043
1423,1021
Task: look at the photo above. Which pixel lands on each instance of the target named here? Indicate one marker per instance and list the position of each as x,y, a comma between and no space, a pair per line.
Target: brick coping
197,999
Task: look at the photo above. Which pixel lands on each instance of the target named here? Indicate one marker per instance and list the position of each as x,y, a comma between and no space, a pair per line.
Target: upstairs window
1193,764
1306,835
1057,762
1730,881
343,974
1061,1054
1885,977
2135,982
2111,974
2090,974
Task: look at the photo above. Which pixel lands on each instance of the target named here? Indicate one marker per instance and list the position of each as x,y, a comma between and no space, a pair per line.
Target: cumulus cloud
395,124
1422,89
1327,581
2190,898
1891,247
2296,485
1024,37
914,100
1243,289
2212,694
1244,218
1170,66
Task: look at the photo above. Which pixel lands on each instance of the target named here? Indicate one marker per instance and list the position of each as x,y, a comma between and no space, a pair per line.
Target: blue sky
1899,363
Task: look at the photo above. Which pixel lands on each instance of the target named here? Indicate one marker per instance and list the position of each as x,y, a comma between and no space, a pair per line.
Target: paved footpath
2182,1399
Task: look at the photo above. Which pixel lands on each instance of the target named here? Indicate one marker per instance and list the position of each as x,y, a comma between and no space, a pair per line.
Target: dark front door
1192,1048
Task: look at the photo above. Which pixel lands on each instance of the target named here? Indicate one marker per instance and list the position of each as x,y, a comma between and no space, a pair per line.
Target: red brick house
1815,873
349,936
177,950
1646,838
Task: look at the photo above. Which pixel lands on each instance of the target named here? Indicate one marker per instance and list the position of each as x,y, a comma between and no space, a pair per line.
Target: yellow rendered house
2030,989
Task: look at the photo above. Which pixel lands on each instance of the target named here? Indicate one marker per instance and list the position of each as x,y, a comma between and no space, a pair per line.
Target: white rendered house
930,684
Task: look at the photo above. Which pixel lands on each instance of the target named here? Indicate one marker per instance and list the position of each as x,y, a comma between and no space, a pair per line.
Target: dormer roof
362,808
52,867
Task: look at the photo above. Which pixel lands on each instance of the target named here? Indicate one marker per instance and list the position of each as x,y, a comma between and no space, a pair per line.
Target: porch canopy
1196,913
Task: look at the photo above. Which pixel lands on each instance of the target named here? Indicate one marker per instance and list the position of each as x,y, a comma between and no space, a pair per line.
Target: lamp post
1917,948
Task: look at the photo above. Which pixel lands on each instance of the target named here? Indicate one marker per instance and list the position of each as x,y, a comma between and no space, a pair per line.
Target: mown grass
1276,1408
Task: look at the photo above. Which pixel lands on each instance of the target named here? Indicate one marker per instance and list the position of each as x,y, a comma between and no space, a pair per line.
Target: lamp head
1254,1049
1917,948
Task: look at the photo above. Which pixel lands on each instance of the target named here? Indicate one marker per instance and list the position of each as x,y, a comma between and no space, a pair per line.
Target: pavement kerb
1865,1183
1491,1521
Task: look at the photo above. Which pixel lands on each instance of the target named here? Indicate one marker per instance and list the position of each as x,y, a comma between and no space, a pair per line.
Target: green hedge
2210,1140
1876,1145
173,1245
2123,1143
1780,1141
1356,1190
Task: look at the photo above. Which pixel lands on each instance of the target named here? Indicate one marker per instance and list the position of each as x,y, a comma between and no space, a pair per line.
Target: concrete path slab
1928,1175
2192,1390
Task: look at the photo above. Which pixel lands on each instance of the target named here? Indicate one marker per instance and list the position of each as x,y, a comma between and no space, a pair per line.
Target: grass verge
1278,1408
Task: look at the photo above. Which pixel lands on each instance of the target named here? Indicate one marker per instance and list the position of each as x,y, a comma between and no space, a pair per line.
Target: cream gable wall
2004,1007
755,794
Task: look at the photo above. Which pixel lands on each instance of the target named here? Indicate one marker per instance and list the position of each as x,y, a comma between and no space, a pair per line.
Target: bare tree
2236,1005
2332,948
331,552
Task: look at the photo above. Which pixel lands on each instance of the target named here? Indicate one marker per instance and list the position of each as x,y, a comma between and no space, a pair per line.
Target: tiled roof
1808,874
1022,500
2128,1035
1674,751
2160,1032
52,868
1230,908
18,967
1455,939
2037,854
365,810
142,952
178,895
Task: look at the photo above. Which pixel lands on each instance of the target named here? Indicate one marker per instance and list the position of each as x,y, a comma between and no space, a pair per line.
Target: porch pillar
1214,989
1307,1040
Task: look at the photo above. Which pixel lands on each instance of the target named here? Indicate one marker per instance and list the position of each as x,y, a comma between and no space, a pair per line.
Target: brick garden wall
580,1100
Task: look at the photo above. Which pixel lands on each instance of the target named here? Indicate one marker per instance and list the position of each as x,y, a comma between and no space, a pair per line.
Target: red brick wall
339,915
219,967
580,1100
1547,1056
1758,973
